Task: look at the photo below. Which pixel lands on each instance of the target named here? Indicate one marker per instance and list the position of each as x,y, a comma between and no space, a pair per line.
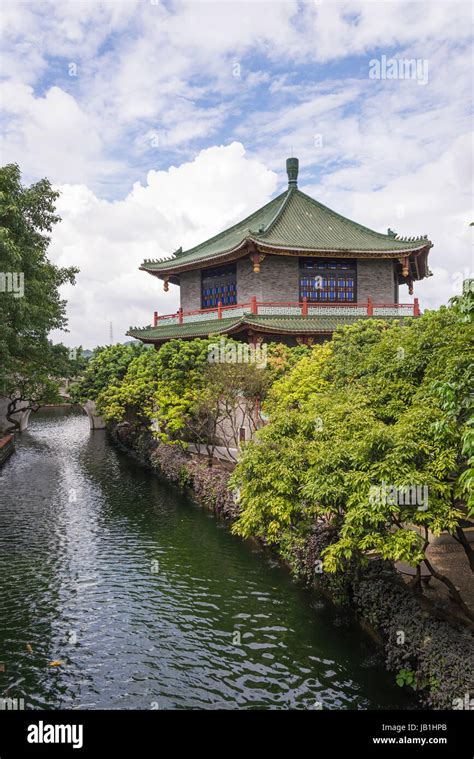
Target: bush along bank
428,655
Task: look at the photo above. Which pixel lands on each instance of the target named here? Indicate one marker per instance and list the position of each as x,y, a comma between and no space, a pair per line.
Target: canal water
138,597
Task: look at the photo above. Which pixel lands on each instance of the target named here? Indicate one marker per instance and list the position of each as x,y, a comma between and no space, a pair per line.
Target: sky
162,123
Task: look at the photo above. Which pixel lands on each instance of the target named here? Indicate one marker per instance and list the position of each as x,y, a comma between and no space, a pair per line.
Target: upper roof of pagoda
293,223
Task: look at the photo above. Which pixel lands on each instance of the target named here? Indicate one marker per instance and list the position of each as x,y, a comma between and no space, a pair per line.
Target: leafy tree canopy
107,367
372,432
30,302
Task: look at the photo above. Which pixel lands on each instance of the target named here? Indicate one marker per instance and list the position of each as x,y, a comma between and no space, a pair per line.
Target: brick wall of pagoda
278,280
375,279
190,290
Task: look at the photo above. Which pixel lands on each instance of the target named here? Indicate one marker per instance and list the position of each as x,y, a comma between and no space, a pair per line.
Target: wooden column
180,315
253,305
370,307
304,310
219,309
155,319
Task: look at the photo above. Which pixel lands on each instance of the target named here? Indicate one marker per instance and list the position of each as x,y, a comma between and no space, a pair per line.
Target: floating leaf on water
55,663
29,648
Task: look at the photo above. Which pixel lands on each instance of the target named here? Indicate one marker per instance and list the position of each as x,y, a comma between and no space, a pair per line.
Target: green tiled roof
192,329
305,223
275,324
292,221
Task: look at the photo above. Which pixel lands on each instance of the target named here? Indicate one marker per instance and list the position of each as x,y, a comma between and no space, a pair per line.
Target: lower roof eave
265,324
242,325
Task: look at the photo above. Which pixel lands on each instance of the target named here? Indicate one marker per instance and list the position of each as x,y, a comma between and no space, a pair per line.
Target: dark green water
139,593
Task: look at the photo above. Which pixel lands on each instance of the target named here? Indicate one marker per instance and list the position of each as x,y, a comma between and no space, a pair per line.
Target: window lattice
324,280
218,284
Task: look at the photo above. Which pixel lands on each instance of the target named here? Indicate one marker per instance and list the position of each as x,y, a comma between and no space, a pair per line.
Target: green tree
107,367
30,303
140,386
229,399
372,434
270,475
182,393
129,396
181,382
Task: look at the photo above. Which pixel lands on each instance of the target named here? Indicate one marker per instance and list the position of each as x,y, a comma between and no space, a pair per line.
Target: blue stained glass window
219,284
331,279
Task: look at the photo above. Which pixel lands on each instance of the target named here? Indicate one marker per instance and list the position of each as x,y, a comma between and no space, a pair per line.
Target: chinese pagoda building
291,272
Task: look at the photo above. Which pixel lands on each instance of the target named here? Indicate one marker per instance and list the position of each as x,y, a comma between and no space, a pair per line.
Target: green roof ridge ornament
292,167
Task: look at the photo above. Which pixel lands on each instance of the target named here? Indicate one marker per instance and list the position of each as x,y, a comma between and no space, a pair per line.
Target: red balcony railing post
304,310
416,307
155,319
180,315
253,305
370,307
219,309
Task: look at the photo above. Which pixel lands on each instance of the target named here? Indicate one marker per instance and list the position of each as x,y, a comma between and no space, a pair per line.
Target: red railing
303,306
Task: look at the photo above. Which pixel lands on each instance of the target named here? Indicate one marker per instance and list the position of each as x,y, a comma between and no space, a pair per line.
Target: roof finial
292,166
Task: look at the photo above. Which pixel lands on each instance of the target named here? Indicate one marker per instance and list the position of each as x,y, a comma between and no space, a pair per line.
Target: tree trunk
11,408
461,537
455,595
416,582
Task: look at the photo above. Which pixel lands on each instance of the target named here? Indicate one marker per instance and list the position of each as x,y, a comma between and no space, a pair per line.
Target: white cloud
168,70
51,135
109,240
